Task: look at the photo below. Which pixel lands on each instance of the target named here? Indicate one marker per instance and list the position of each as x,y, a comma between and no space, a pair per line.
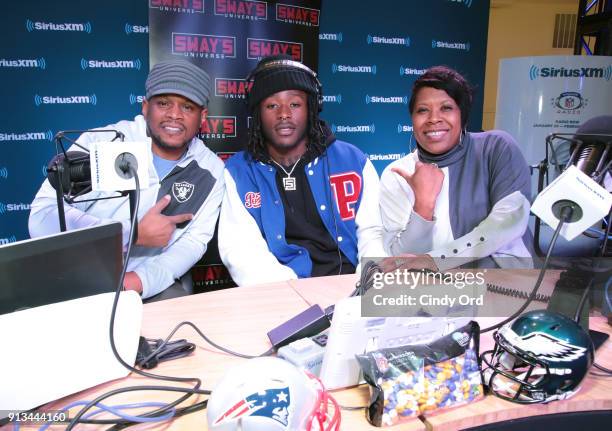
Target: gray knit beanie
179,77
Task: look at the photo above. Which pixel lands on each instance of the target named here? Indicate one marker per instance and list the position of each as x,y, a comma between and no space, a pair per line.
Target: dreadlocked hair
256,147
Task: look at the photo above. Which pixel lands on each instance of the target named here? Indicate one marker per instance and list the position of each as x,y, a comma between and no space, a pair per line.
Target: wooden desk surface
239,318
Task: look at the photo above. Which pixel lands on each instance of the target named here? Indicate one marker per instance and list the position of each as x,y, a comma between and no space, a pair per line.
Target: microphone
70,172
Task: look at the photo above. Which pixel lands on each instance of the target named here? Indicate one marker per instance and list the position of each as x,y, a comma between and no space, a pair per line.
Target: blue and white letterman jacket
252,240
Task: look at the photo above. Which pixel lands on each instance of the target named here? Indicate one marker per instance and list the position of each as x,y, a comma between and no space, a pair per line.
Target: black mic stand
570,296
61,167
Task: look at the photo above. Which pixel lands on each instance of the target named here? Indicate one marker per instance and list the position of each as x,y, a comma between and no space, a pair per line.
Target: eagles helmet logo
182,191
545,346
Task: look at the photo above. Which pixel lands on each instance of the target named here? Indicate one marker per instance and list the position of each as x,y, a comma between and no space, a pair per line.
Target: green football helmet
542,356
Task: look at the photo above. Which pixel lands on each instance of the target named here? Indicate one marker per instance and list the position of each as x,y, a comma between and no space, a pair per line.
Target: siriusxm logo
130,28
386,157
5,208
466,3
24,62
407,71
353,69
404,128
369,128
4,172
465,46
58,100
405,41
28,136
8,240
117,64
51,26
333,98
335,37
562,72
392,99
136,99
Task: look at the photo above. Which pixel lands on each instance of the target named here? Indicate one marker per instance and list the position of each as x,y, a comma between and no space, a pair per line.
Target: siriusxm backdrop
76,65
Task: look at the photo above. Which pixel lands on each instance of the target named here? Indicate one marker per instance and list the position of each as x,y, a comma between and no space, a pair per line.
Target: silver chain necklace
288,181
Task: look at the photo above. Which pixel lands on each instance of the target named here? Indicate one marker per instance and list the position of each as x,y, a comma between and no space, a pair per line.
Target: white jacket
157,268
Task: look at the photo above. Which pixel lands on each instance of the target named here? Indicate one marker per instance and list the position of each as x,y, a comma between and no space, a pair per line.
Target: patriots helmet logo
270,403
182,191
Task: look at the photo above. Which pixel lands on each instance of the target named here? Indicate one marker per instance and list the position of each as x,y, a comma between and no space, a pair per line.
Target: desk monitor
60,267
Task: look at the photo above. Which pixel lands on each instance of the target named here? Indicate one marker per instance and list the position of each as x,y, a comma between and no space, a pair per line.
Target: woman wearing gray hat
179,208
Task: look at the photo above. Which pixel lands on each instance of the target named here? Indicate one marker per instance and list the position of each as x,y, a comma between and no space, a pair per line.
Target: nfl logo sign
182,191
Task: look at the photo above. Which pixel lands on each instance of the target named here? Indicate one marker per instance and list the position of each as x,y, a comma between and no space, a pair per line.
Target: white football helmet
267,394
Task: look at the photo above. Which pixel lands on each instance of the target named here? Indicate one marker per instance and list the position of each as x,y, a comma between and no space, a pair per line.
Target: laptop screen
60,267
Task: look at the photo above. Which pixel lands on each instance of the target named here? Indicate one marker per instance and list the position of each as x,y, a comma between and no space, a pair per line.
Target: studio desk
239,318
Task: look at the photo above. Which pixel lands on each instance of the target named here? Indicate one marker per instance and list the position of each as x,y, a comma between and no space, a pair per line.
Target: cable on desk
116,410
352,408
187,392
564,216
604,369
161,350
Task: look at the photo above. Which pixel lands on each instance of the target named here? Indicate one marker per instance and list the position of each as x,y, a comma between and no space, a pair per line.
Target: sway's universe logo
340,68
297,15
332,98
382,40
569,102
258,48
203,45
115,64
380,99
242,9
464,46
138,29
27,136
335,37
368,128
134,99
69,100
8,240
411,71
578,72
6,208
404,128
466,3
52,26
232,88
40,63
179,6
4,172
218,127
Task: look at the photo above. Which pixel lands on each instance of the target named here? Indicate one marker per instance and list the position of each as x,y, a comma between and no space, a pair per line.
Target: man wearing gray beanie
298,202
179,208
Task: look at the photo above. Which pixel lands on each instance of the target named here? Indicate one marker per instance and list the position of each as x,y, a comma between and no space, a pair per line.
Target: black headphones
273,64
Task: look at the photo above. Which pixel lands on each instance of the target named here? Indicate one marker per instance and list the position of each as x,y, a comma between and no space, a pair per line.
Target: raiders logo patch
182,191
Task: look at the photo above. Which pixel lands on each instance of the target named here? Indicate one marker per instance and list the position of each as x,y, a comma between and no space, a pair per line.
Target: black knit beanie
271,76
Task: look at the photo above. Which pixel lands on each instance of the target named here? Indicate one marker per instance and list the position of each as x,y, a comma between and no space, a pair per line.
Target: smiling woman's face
436,120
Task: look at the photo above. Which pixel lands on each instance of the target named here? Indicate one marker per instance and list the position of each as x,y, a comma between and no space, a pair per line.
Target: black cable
602,368
566,213
604,246
352,408
582,302
212,343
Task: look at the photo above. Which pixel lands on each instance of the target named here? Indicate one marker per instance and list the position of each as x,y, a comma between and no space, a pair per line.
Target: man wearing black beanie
180,204
299,203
